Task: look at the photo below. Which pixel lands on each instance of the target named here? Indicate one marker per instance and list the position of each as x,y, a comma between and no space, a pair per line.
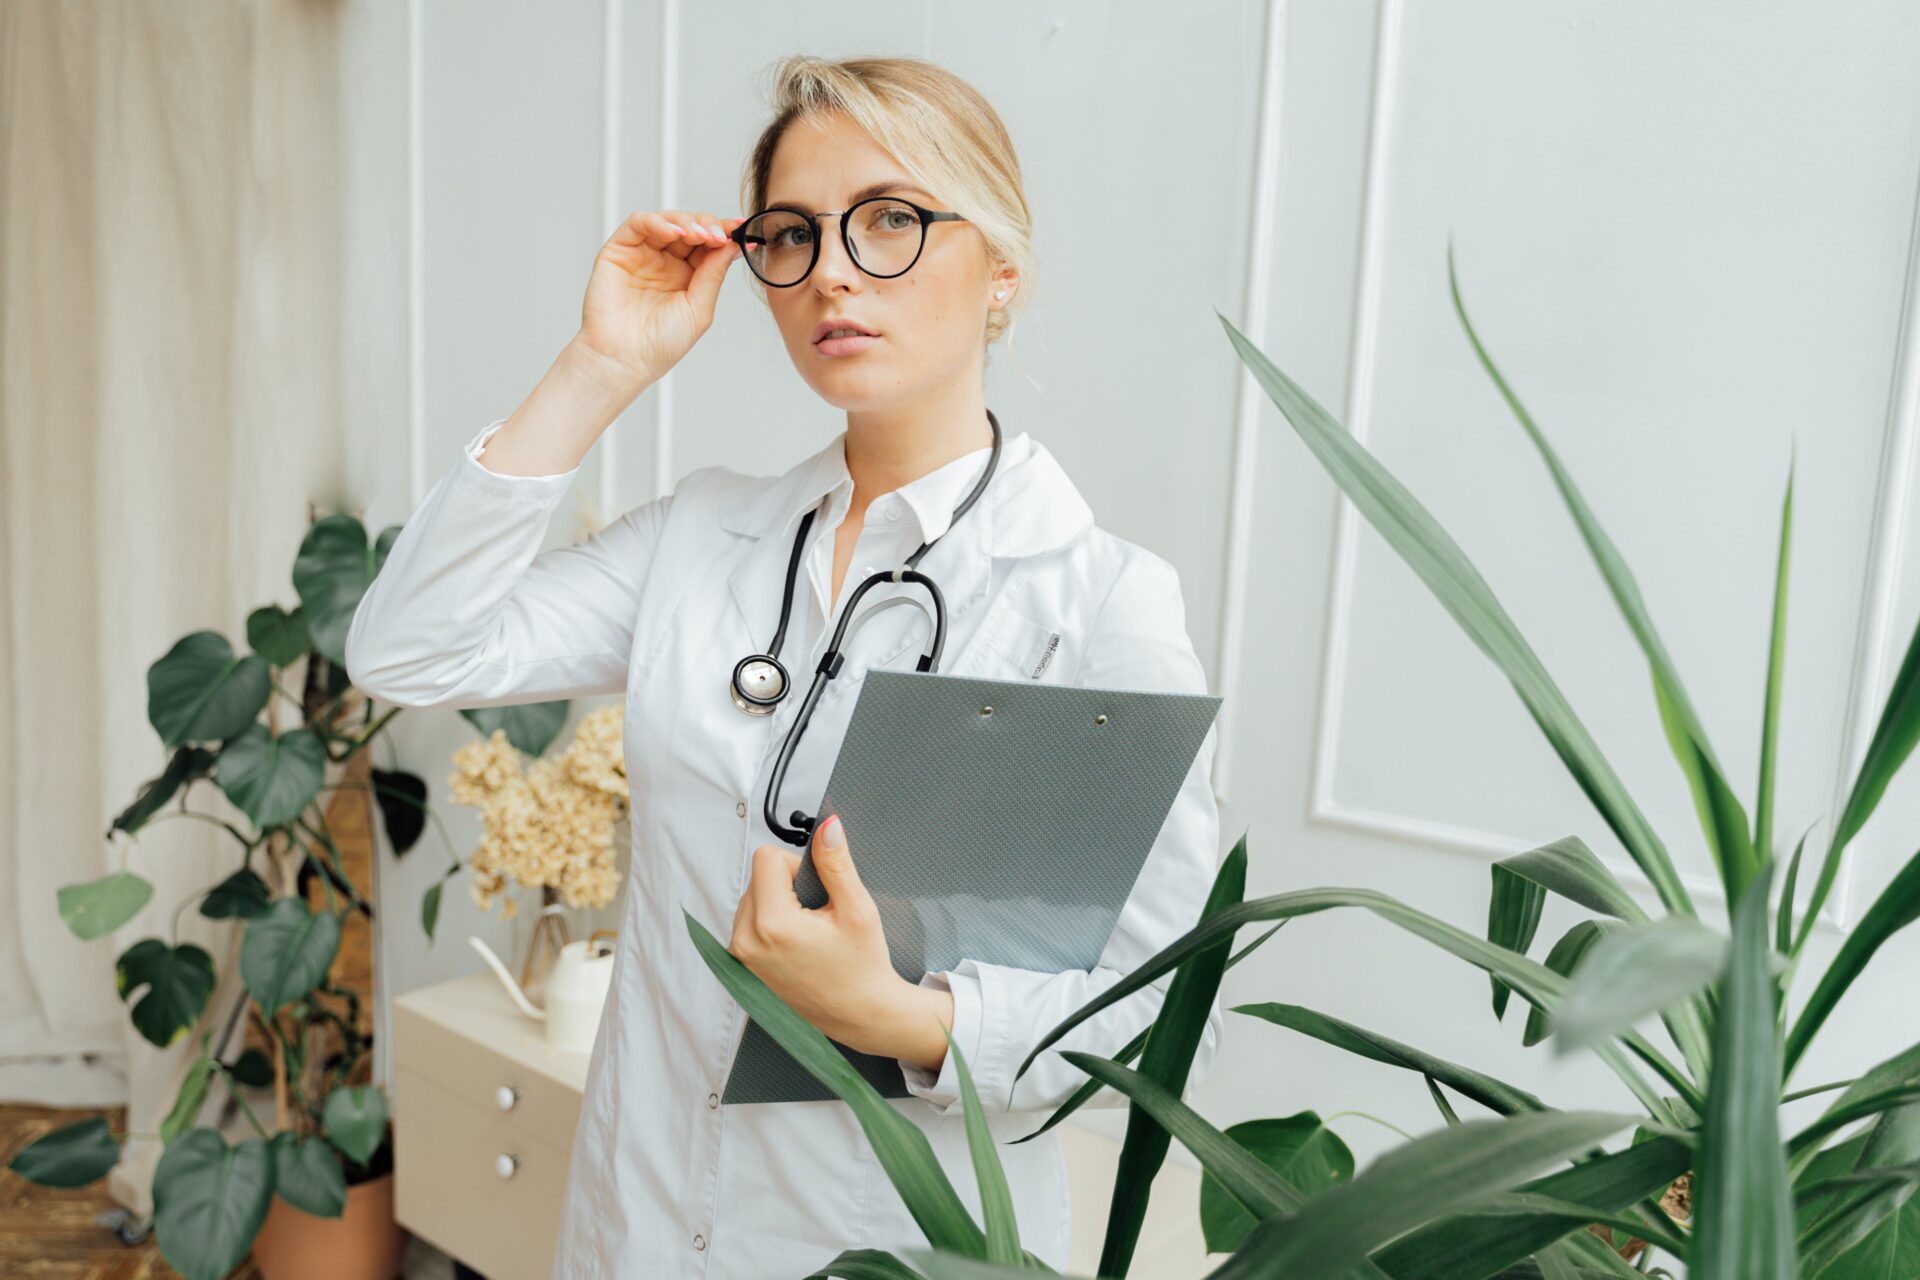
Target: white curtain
169,403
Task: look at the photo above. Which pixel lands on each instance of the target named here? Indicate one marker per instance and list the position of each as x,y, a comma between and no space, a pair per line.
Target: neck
888,448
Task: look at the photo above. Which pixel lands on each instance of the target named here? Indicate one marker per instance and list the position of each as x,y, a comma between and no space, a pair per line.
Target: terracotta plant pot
363,1243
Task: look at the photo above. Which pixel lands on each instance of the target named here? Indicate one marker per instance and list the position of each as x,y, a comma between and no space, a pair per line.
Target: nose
835,268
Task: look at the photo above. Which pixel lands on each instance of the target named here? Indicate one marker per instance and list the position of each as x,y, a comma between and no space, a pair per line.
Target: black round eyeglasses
883,234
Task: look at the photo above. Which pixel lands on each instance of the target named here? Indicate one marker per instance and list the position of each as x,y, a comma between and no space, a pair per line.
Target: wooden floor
48,1234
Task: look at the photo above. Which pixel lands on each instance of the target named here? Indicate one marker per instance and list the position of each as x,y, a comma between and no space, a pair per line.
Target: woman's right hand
653,288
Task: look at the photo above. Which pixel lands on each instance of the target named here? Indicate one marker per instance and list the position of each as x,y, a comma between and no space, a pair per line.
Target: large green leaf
1535,982
940,1264
98,907
1897,907
996,1199
1261,1191
278,636
69,1157
1721,816
202,691
1128,1053
178,981
209,1200
333,569
1300,1148
356,1120
287,952
531,726
1634,971
1472,1246
1893,741
1496,1095
1167,1059
1439,562
1889,1166
1564,959
243,894
1437,1174
272,780
1513,917
1743,1202
184,766
900,1145
1770,703
402,798
308,1175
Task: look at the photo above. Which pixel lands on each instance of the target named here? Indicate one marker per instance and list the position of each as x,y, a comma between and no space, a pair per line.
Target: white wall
1686,231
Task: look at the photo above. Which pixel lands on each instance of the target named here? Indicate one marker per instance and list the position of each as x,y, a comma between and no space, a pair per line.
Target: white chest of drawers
484,1114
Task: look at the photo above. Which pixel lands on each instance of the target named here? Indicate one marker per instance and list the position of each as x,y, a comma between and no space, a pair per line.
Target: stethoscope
760,683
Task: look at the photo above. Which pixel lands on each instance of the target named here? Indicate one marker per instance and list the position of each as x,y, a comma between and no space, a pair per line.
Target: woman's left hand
830,963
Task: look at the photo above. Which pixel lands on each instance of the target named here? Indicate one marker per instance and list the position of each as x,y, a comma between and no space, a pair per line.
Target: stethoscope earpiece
760,684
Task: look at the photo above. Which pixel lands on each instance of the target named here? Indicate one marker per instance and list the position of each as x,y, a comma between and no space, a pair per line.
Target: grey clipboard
1013,836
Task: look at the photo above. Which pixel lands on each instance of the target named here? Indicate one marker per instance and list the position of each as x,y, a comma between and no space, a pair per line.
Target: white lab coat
665,1182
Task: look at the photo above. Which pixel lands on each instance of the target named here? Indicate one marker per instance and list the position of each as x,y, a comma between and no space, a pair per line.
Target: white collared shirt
467,611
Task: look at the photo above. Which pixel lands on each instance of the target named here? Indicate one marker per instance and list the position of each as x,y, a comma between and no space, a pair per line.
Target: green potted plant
314,1187
1527,1189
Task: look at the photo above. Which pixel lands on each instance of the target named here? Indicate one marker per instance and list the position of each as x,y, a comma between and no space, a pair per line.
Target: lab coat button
740,808
713,1100
700,1242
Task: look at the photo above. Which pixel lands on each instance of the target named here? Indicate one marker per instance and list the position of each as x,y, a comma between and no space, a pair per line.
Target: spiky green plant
1518,1193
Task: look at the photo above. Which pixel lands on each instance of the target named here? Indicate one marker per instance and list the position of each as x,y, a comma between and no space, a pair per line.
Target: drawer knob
504,1164
505,1096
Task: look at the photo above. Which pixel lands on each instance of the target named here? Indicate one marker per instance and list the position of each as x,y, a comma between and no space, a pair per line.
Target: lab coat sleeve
1139,641
468,611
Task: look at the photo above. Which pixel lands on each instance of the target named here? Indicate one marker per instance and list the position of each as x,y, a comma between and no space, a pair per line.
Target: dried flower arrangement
549,820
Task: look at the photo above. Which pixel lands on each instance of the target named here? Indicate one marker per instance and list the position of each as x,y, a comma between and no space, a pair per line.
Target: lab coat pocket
1019,647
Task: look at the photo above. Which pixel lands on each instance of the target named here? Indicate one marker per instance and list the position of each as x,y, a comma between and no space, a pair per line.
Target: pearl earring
1000,293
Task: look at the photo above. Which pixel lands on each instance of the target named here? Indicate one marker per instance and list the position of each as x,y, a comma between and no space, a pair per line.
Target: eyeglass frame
738,235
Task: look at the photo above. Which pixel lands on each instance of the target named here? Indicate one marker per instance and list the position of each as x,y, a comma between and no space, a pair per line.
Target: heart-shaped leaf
1300,1148
333,569
185,765
402,798
209,1200
243,894
202,691
287,952
253,1069
272,780
178,981
278,636
356,1120
308,1175
69,1157
98,907
531,727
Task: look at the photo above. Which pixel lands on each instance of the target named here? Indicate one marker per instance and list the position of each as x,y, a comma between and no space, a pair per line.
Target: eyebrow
867,192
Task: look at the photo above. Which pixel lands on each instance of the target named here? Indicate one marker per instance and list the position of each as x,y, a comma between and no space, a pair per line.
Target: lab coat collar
1030,507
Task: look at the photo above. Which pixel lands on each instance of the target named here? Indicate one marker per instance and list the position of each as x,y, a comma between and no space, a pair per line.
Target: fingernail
677,227
836,834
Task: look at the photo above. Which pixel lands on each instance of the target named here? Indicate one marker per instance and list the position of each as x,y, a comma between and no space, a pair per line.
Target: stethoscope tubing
799,828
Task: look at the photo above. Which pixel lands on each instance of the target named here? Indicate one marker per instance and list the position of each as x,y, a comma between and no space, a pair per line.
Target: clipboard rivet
1101,718
986,711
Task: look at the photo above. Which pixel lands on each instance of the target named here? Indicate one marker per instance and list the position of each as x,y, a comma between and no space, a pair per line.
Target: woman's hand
831,964
652,290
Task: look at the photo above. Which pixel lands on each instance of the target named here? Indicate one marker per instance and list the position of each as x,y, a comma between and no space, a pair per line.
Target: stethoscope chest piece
759,683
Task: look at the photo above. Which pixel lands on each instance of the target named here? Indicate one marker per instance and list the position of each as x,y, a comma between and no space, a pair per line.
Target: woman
662,604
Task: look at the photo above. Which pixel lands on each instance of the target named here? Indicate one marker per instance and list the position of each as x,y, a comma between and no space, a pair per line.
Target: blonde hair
936,125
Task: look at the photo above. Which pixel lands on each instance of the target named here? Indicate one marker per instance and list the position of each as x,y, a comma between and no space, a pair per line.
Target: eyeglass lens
884,238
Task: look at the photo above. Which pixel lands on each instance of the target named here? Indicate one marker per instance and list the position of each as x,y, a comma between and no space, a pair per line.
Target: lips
826,327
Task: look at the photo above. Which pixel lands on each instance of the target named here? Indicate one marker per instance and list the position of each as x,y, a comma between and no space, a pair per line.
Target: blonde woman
888,234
